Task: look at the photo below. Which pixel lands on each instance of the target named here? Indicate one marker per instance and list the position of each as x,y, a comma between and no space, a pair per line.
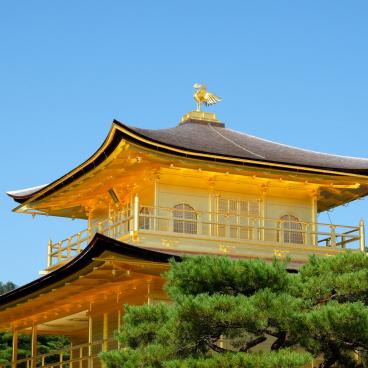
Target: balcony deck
234,234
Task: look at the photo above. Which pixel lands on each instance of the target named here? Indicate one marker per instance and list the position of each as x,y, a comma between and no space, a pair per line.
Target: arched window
185,219
291,230
144,218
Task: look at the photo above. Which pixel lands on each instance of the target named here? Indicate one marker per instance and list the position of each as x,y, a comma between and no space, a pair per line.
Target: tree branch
217,348
280,342
252,343
328,363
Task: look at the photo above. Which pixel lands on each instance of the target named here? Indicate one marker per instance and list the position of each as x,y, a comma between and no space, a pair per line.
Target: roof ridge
296,147
234,143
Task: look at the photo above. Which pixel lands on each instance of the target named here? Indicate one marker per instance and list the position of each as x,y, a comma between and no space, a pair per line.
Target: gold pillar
49,255
314,236
148,293
34,346
90,340
119,325
15,349
210,210
155,205
105,333
136,214
362,235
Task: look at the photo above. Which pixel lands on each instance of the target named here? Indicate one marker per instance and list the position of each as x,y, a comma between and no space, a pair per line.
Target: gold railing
242,227
73,356
68,248
215,226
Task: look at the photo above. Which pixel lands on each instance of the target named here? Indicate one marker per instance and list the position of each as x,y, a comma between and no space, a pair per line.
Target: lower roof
96,247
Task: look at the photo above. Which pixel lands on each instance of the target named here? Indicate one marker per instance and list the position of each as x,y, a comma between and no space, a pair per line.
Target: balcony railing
238,228
77,356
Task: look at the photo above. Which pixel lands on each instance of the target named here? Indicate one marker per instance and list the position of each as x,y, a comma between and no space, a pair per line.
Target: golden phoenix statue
201,96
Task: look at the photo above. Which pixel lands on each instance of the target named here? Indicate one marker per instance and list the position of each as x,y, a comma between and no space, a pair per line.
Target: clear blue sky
290,71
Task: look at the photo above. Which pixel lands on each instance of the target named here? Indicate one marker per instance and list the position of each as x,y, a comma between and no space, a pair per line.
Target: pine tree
248,313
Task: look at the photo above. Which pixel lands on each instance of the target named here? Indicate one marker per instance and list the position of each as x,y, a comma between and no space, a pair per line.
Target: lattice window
291,230
185,219
144,218
241,217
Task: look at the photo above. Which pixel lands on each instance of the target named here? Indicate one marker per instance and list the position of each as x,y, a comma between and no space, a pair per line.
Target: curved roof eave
99,244
121,131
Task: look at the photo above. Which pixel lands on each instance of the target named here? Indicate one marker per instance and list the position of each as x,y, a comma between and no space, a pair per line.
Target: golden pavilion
149,195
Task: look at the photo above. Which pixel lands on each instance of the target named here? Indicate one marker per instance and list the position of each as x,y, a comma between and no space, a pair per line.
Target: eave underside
107,273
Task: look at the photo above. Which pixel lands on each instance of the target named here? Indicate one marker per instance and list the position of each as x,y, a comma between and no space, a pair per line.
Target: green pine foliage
6,287
249,313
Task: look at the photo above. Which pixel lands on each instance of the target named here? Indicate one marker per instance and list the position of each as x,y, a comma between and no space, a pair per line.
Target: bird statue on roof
201,96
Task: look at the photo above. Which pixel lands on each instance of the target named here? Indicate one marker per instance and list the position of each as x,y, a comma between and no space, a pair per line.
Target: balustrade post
136,214
49,253
60,247
362,236
78,243
253,223
333,235
68,254
199,222
61,358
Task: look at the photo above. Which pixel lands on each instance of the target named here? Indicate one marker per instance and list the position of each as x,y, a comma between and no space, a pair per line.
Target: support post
15,349
119,325
105,333
210,210
90,341
362,235
71,358
148,293
136,214
80,357
61,359
34,346
314,236
155,209
49,254
333,235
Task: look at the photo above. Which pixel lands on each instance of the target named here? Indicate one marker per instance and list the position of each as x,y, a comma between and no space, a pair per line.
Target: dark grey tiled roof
25,192
227,142
206,138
